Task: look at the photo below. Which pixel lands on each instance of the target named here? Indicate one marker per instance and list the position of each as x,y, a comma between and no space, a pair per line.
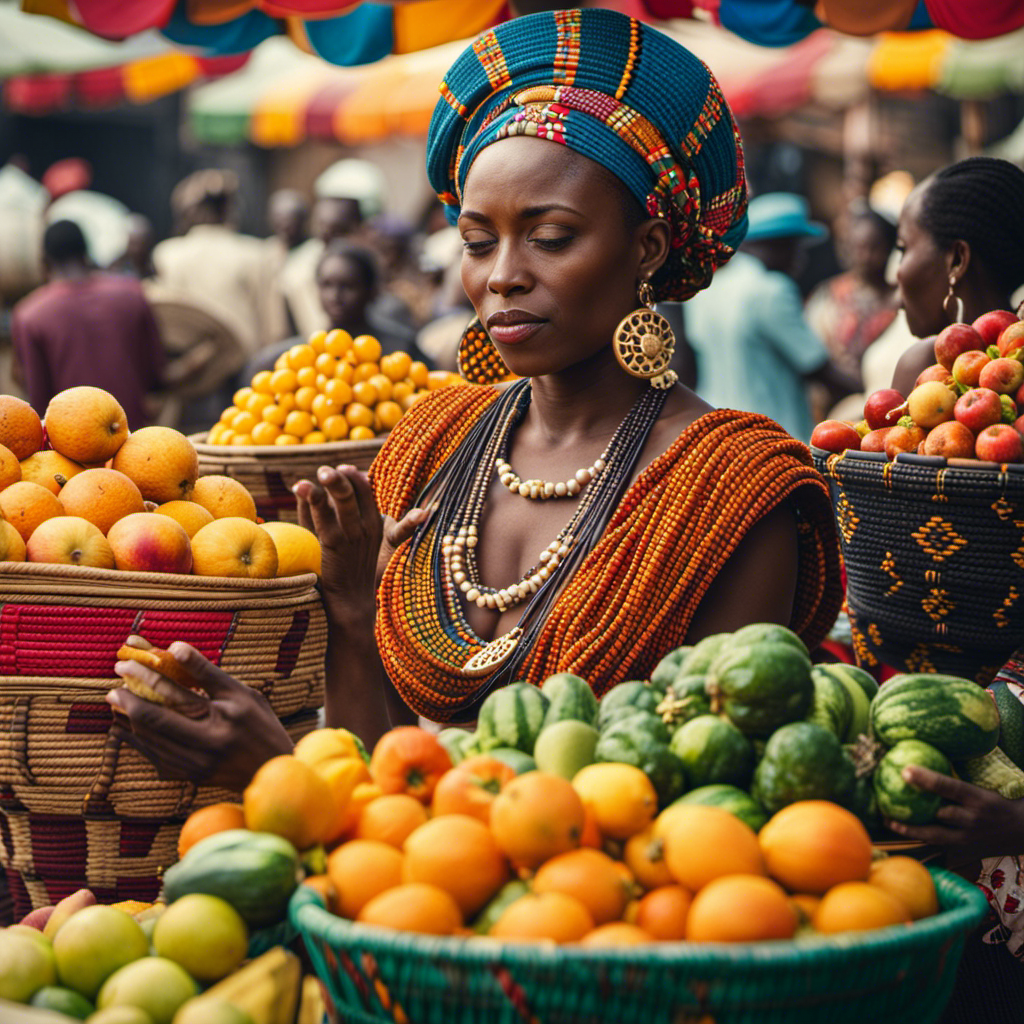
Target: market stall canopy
349,32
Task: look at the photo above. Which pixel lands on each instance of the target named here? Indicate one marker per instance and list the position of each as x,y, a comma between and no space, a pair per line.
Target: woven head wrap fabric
622,94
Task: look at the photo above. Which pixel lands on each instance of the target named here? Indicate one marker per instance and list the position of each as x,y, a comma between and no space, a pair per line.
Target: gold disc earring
479,360
644,342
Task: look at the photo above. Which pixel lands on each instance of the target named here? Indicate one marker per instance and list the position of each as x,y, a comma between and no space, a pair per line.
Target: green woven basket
892,976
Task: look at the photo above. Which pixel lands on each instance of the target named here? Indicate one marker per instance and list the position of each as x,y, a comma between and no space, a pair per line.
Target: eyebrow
528,213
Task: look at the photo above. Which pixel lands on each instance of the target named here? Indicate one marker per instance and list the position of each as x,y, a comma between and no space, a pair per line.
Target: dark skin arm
912,363
838,384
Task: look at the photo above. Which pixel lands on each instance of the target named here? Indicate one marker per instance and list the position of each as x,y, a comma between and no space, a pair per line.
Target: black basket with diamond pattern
934,555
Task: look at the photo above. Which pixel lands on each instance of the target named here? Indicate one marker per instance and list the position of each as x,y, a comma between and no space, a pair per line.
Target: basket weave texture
78,806
892,976
270,471
934,560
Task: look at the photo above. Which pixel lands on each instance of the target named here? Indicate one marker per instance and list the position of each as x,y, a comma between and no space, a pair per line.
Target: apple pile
968,405
79,489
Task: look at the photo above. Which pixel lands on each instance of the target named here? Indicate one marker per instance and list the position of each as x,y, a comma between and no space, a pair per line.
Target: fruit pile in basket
969,405
333,388
79,489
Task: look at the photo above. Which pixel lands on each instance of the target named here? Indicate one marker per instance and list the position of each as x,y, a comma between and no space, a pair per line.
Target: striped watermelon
512,717
858,691
954,715
698,661
569,697
1011,722
896,797
625,699
455,741
633,745
832,706
713,750
519,762
668,668
729,798
762,632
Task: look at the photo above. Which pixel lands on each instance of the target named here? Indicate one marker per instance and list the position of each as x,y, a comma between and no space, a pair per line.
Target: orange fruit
470,787
535,817
257,403
25,505
662,912
265,433
591,835
389,413
21,430
338,342
300,356
283,439
806,905
644,854
616,933
317,341
437,379
402,390
363,372
910,882
592,877
222,496
49,469
705,843
361,434
365,393
323,408
306,377
283,381
338,392
215,434
234,546
414,907
326,364
344,372
281,362
315,437
240,439
261,382
419,374
298,423
206,821
243,423
335,428
229,414
621,796
304,398
10,471
858,907
812,845
275,415
147,542
410,760
298,549
358,415
383,384
366,348
456,853
396,366
290,799
241,397
391,819
12,546
342,775
740,908
161,462
550,915
86,424
361,869
362,796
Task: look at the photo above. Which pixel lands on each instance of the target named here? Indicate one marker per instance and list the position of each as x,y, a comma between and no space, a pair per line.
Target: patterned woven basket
270,471
77,806
934,555
892,976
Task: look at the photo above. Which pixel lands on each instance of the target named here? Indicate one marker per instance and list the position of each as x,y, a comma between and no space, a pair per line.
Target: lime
26,965
565,747
153,984
94,943
120,1015
205,934
211,1010
62,1000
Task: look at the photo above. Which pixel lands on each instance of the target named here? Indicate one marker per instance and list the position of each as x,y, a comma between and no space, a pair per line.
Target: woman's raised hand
218,740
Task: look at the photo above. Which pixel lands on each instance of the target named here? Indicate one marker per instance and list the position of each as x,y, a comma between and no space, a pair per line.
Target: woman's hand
220,740
975,819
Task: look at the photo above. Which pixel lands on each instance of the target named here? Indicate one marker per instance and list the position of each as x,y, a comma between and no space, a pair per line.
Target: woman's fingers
152,719
934,835
340,484
398,533
176,696
215,681
941,785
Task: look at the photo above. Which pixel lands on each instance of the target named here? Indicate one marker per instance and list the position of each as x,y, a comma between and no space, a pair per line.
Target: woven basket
270,471
892,976
78,807
934,555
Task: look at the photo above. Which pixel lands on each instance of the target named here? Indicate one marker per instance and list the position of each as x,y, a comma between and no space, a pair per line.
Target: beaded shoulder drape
633,596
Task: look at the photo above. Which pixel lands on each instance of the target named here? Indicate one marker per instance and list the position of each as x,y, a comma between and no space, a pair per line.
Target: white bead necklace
542,490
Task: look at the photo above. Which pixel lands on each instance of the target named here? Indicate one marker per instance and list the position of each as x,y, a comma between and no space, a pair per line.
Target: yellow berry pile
333,388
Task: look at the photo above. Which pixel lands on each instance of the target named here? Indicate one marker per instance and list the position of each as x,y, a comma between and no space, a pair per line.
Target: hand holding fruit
220,740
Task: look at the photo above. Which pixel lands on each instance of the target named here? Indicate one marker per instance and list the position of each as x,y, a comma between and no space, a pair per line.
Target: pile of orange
333,388
418,845
106,498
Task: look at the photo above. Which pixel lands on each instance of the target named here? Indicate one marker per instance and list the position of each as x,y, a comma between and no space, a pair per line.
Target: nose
508,273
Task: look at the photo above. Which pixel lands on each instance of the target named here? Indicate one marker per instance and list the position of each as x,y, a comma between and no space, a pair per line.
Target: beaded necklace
445,544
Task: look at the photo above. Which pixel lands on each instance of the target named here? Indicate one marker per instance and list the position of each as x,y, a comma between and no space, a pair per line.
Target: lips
513,326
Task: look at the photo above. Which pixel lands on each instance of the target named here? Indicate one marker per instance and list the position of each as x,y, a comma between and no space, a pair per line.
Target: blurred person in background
407,290
137,259
86,327
212,262
288,217
850,311
755,350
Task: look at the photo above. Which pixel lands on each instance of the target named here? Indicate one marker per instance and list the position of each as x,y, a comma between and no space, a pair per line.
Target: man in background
86,327
288,216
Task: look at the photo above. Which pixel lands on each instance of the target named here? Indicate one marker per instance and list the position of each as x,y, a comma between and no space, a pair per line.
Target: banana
267,988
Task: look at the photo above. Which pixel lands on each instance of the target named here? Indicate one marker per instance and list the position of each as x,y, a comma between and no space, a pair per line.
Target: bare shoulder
681,408
916,359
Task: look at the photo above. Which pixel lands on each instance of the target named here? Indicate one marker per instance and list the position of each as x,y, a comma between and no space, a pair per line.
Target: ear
655,240
958,260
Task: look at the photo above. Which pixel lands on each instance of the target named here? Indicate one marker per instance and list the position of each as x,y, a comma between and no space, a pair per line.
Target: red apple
968,366
951,440
1002,375
1011,339
1018,425
835,436
954,340
978,408
875,440
990,325
1000,443
880,408
937,372
930,404
903,439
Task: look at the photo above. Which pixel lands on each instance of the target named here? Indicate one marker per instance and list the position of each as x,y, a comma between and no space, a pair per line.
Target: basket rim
242,452
913,461
967,906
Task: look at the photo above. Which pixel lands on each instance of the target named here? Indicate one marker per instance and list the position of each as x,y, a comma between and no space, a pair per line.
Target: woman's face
344,294
551,261
868,248
923,274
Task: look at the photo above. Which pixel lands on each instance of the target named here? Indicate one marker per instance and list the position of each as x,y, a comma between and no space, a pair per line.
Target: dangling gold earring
956,301
644,342
479,361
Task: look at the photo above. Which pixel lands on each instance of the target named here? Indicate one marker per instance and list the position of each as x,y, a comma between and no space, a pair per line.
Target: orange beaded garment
632,598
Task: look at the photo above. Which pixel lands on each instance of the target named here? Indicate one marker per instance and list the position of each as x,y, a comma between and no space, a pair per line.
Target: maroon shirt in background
97,330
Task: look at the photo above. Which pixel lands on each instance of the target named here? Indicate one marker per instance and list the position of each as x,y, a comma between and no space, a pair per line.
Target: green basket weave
892,976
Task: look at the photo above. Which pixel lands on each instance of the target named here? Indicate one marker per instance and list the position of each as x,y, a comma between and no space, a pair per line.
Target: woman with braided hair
576,509
961,239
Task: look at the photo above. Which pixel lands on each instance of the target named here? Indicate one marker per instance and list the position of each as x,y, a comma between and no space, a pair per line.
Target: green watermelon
729,798
760,632
512,717
640,721
668,668
569,697
519,762
865,680
761,686
713,750
832,706
633,745
686,698
896,797
455,741
956,716
505,897
698,661
1011,721
625,699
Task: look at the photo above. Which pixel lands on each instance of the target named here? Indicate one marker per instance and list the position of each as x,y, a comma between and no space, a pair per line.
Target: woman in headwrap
578,518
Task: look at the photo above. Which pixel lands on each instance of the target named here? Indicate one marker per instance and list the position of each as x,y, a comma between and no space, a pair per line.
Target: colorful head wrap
622,94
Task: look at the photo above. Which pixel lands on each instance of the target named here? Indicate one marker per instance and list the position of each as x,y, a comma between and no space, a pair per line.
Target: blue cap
781,215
